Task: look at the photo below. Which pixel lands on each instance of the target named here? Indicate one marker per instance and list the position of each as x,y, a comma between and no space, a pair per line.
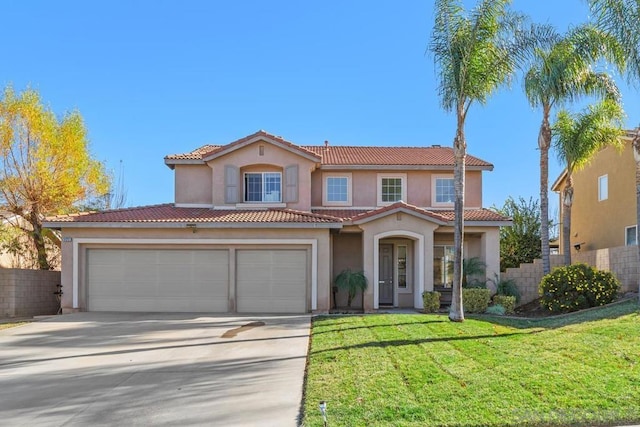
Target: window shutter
291,183
231,184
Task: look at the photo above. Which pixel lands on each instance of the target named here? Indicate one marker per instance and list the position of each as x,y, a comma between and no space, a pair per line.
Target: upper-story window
337,189
443,190
262,187
603,187
392,188
631,236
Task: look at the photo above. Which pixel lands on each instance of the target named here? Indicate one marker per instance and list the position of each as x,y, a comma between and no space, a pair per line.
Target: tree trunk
38,240
456,312
636,155
544,142
567,202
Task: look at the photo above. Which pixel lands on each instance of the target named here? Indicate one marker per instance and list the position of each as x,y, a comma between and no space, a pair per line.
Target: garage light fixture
192,226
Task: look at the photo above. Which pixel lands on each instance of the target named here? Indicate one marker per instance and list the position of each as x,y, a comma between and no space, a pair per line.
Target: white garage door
157,280
271,281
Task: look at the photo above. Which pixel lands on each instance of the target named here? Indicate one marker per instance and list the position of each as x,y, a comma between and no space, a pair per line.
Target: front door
385,275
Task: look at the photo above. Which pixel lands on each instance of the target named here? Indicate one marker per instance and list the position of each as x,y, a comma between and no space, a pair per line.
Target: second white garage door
179,280
271,281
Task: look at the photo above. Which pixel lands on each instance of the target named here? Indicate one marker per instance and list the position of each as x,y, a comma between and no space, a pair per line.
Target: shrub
475,300
576,287
507,287
352,282
496,309
507,302
431,301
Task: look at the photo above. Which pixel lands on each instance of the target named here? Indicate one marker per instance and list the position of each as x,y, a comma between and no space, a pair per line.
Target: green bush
508,302
506,287
576,287
431,301
475,300
496,309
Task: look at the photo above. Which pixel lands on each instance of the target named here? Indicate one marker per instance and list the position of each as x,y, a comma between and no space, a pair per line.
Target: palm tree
577,137
475,54
562,73
621,20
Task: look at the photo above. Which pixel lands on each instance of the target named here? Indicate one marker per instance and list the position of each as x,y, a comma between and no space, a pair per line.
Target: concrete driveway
153,369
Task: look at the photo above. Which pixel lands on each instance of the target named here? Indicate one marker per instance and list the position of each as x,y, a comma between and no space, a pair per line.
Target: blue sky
157,77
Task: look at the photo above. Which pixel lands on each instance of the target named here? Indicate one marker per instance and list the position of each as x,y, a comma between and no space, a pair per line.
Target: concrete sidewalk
154,369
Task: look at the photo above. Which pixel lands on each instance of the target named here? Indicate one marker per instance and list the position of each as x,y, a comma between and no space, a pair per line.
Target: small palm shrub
352,282
431,301
507,287
507,302
472,267
576,287
475,300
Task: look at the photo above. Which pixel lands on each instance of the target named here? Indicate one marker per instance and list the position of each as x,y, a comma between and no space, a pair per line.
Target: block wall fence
26,293
622,261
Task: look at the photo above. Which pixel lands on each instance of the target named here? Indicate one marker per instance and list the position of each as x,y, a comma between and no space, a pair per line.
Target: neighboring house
16,248
264,225
603,214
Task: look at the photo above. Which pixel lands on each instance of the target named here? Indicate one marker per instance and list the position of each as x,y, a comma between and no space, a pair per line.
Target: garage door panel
271,281
157,280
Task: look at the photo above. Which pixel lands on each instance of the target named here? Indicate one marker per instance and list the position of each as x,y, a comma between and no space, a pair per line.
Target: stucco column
490,252
427,280
369,251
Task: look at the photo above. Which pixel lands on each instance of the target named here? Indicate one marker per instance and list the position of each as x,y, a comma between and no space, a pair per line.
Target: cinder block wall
528,277
622,261
25,293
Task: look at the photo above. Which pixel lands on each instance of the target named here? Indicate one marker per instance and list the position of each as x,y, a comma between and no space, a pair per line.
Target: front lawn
422,370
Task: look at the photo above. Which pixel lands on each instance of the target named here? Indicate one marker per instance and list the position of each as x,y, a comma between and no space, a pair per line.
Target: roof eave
236,146
58,225
402,167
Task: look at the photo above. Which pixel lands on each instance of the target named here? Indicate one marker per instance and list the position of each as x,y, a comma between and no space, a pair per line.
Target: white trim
193,205
403,184
77,241
325,192
603,195
256,205
403,167
265,203
419,251
345,208
434,194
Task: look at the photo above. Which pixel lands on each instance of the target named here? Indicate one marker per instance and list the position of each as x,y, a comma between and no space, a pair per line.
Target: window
392,188
443,266
443,190
262,187
402,266
336,189
631,235
603,187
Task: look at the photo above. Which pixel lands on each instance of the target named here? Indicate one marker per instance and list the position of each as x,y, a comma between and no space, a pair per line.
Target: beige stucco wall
193,184
347,253
419,187
275,158
601,224
321,235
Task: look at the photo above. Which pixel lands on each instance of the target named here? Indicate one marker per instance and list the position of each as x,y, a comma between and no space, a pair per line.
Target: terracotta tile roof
257,135
442,215
168,213
475,215
388,156
338,155
195,154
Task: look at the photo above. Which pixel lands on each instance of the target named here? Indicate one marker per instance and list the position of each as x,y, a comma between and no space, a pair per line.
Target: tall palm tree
621,20
563,73
475,53
577,138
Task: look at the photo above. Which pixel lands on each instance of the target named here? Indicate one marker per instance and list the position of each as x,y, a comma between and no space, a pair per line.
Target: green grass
422,370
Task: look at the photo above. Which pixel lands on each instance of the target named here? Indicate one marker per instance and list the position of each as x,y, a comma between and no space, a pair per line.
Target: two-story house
603,213
264,225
